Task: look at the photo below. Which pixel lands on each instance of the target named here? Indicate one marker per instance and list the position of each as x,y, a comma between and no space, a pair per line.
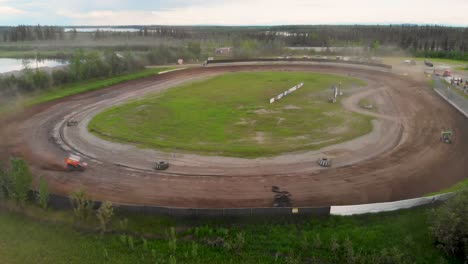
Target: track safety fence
61,202
372,64
451,96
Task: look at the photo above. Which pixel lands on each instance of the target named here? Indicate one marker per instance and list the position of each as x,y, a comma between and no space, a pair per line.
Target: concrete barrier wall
386,207
380,65
456,100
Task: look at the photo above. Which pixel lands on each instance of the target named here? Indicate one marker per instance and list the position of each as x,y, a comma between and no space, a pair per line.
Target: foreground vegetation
231,115
396,237
31,232
455,188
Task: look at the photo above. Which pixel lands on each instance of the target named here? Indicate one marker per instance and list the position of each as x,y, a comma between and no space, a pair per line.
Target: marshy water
8,64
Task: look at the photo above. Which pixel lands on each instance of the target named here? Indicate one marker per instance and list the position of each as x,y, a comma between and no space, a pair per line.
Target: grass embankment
454,188
456,89
460,92
80,87
396,237
231,115
437,61
443,61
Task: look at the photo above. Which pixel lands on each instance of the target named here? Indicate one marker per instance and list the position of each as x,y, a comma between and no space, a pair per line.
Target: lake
108,29
7,65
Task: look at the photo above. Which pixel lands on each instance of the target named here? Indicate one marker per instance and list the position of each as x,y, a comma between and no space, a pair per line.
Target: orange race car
74,163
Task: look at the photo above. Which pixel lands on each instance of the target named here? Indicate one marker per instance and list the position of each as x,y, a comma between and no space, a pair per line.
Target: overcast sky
233,12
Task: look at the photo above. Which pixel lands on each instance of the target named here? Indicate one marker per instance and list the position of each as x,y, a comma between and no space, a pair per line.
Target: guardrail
60,202
372,64
452,97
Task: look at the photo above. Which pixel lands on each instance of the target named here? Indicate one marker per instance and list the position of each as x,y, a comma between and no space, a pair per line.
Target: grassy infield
225,115
403,235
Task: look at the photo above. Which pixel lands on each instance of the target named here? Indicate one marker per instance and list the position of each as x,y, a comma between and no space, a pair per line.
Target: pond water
108,29
7,65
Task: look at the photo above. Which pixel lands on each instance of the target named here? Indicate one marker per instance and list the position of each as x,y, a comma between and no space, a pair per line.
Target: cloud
268,12
10,11
228,12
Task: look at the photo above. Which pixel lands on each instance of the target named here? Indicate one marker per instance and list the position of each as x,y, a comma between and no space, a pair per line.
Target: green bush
42,195
82,206
21,179
5,183
104,215
449,226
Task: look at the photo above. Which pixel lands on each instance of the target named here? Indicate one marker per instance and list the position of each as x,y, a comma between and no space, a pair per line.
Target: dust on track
418,165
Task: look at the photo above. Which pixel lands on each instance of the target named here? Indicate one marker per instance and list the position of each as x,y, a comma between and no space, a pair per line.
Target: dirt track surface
402,158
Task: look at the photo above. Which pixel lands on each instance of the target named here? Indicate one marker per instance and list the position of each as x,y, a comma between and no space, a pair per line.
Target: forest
422,40
104,52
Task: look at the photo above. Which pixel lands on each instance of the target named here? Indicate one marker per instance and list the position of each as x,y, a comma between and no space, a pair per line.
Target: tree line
31,33
419,40
85,65
407,37
82,66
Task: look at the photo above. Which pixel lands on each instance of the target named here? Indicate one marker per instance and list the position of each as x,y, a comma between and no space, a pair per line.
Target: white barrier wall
386,207
290,90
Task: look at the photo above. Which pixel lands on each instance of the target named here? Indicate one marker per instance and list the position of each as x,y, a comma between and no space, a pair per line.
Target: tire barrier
372,64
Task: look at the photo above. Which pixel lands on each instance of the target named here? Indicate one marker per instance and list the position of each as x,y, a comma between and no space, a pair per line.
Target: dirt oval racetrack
403,158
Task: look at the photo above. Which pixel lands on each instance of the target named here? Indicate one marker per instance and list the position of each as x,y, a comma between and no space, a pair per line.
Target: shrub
236,244
172,259
82,206
389,256
317,241
5,183
42,196
21,179
172,243
449,226
104,215
60,77
194,251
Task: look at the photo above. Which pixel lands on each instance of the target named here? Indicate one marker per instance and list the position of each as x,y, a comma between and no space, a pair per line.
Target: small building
223,51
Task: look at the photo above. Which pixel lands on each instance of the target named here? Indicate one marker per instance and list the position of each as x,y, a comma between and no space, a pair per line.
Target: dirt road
402,157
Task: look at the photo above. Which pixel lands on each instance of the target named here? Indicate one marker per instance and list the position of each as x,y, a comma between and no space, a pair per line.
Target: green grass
444,61
456,89
80,87
454,188
460,92
399,60
231,115
280,240
464,68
